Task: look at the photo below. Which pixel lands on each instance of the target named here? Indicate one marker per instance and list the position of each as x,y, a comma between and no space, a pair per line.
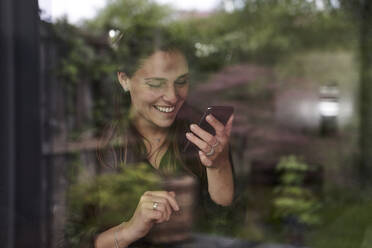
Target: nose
170,95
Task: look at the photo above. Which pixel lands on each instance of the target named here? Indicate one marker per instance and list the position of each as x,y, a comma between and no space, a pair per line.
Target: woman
158,89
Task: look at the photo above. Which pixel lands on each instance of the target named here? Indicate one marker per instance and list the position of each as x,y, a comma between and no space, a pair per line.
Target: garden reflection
291,72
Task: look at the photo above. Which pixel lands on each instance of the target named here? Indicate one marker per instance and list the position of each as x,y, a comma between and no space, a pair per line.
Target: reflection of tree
261,31
105,202
294,204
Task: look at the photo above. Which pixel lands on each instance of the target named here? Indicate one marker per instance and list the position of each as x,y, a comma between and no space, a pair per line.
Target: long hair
122,144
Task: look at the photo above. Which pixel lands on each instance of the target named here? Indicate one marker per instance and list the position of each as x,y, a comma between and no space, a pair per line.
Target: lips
165,109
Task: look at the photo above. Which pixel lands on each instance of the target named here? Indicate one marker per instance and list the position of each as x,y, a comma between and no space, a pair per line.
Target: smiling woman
158,89
153,130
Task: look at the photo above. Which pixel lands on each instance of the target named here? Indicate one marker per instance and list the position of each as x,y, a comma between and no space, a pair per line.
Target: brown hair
121,144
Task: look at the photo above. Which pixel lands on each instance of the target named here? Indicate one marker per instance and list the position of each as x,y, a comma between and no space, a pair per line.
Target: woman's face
158,89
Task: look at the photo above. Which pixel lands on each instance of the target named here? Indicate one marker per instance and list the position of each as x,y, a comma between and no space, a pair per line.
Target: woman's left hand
213,149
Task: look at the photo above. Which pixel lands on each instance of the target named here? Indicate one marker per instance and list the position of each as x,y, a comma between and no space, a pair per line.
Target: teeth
165,109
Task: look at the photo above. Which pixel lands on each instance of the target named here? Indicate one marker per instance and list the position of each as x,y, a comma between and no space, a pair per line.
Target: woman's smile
165,109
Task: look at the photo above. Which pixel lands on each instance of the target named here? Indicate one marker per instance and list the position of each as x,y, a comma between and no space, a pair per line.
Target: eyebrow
156,78
184,75
164,79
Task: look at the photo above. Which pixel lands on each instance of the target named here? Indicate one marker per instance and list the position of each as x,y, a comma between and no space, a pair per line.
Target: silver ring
155,206
210,153
216,144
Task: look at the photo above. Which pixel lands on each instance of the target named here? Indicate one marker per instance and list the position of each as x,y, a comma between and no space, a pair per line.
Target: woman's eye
181,82
154,84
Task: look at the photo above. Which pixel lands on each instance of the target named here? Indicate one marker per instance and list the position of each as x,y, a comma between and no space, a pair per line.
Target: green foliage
292,199
74,168
128,15
260,31
267,31
347,221
81,61
107,201
77,55
321,67
228,221
140,25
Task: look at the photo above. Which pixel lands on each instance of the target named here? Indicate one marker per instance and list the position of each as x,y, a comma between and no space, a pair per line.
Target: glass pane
123,81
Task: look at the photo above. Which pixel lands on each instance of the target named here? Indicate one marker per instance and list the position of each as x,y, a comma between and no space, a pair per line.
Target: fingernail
177,208
200,153
209,118
188,134
192,126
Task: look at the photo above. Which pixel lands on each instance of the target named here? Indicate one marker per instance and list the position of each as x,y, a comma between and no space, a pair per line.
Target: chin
164,124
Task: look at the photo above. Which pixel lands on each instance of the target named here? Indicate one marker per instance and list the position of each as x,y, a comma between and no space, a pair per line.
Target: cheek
183,92
144,96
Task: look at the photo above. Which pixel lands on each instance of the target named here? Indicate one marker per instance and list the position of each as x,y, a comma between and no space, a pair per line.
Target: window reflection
294,138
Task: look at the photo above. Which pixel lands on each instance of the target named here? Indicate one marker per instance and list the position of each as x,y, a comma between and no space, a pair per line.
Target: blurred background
298,73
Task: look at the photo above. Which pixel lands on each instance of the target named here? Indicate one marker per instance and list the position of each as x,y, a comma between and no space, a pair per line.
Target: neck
152,133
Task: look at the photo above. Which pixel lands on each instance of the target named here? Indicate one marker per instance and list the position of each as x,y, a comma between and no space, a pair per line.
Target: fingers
167,195
160,214
201,144
204,140
153,207
162,205
151,215
207,137
157,205
207,143
216,124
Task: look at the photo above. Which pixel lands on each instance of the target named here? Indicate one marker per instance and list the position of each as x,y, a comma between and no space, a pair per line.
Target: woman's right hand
146,215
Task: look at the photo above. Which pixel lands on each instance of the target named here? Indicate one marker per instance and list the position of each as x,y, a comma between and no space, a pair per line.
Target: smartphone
221,113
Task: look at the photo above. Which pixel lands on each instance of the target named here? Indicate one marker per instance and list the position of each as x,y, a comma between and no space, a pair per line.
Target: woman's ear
124,81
